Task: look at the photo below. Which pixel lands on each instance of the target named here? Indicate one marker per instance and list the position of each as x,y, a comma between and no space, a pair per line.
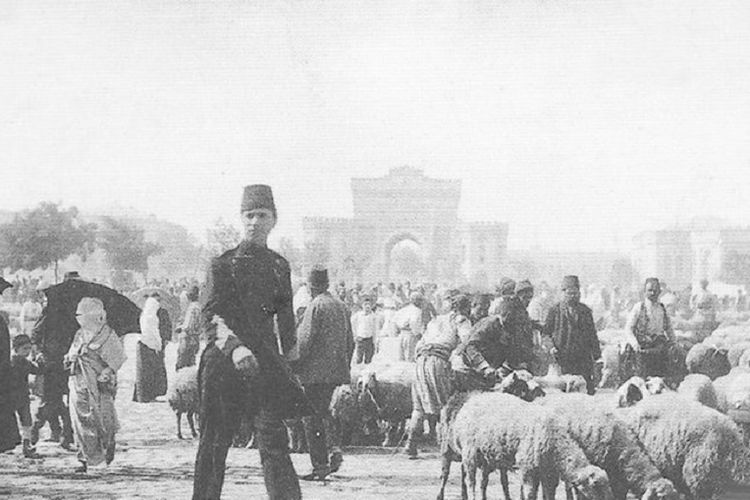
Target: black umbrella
55,329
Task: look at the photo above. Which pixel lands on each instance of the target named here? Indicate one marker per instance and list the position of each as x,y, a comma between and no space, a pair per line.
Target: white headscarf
150,325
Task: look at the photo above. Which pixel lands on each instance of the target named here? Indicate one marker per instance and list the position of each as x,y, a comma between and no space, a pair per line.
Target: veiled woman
93,360
150,372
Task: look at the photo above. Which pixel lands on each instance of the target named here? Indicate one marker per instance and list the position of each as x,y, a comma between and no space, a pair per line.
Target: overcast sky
576,122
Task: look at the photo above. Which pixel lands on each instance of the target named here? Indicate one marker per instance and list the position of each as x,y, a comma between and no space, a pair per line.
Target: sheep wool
488,434
699,449
609,444
183,397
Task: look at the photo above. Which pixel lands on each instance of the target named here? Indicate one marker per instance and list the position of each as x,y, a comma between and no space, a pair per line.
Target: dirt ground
151,463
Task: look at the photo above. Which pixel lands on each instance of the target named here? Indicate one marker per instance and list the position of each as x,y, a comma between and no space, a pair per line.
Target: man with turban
571,326
242,372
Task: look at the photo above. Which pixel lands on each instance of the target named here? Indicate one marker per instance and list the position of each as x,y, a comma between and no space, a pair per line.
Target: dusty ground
152,463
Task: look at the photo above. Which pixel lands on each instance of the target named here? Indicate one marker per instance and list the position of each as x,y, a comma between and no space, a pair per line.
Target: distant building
405,205
684,256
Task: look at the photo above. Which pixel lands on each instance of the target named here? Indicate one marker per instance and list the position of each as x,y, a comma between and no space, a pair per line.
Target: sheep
609,444
490,435
183,397
384,391
519,384
733,398
708,360
735,352
555,382
698,448
698,387
347,415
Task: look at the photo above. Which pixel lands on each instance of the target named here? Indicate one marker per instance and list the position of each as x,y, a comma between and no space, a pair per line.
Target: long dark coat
574,336
249,287
9,437
325,342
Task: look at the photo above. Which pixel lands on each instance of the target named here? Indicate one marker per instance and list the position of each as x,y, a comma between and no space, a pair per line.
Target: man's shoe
29,451
314,476
81,469
67,446
336,460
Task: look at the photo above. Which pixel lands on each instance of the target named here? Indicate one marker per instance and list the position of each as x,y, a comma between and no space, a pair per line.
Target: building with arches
401,208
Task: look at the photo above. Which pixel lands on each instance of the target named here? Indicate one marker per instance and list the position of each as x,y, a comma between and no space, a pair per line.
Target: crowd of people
274,354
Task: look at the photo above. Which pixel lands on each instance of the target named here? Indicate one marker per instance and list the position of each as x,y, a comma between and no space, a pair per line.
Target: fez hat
4,284
20,340
507,286
570,282
258,196
71,275
524,285
318,278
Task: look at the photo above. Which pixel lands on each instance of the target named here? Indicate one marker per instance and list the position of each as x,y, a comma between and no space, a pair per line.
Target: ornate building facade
405,205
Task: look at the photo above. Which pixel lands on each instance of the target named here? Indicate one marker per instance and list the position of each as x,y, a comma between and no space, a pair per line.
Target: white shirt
364,326
409,319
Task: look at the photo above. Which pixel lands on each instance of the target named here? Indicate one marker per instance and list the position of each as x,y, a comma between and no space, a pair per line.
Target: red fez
318,278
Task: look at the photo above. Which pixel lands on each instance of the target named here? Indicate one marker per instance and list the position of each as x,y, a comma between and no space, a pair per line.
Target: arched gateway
406,205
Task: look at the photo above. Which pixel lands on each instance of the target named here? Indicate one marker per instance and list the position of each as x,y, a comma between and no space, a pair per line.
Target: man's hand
244,361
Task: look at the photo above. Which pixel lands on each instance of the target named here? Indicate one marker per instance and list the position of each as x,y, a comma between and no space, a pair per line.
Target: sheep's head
592,483
631,392
656,385
661,489
520,383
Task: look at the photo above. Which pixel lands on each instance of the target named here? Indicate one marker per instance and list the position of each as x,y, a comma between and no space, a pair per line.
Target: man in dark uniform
571,326
242,372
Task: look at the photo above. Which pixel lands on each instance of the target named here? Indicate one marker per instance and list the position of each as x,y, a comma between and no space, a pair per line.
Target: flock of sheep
641,437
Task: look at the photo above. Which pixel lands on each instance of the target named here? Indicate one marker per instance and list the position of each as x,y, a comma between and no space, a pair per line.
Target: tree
37,238
125,248
222,237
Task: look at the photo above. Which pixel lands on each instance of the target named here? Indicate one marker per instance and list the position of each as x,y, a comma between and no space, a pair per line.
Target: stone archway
412,245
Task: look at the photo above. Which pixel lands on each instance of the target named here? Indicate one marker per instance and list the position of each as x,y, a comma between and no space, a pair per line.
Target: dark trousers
23,411
51,410
225,398
363,350
318,426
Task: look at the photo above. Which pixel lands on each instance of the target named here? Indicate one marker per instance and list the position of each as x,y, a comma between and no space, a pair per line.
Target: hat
71,275
570,282
4,284
507,286
20,340
524,285
258,196
318,278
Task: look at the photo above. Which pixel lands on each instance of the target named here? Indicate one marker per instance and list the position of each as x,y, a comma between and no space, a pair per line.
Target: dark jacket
9,437
248,287
325,342
20,369
488,345
573,335
517,325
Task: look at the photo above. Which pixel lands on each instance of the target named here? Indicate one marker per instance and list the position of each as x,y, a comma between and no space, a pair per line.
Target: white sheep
495,431
698,387
698,448
609,444
183,397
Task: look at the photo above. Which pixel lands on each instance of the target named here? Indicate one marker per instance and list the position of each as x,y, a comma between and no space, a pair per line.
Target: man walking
571,326
241,371
408,321
325,345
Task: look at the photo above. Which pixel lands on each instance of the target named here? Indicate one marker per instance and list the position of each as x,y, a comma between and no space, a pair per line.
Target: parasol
56,327
166,299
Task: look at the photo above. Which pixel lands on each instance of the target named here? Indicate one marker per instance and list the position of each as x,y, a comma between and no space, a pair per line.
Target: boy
20,368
